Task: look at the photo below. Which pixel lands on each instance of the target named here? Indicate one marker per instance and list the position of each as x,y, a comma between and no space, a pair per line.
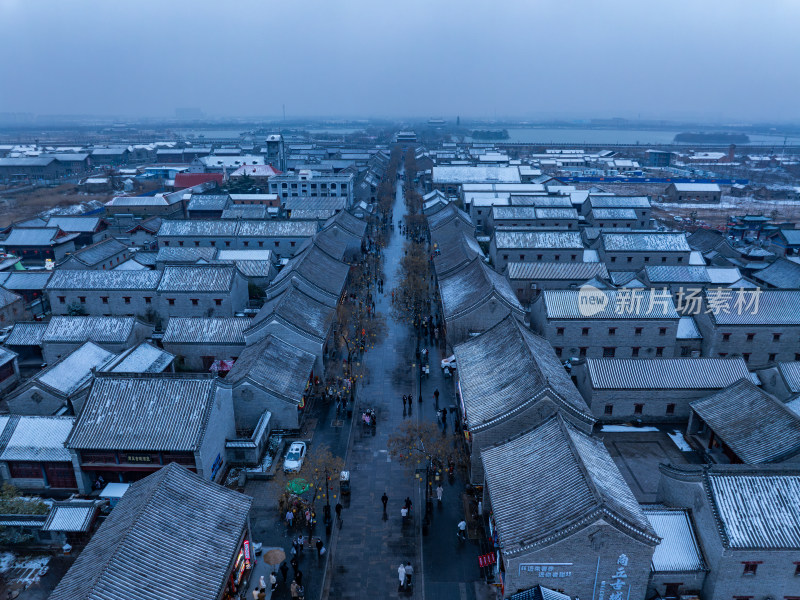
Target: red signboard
484,560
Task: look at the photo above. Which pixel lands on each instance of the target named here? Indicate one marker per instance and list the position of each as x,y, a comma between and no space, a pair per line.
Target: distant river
611,136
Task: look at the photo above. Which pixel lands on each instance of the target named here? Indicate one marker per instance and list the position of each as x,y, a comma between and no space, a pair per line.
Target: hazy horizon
713,62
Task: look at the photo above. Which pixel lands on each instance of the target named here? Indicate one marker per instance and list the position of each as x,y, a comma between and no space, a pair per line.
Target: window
558,351
797,569
647,259
723,354
148,299
25,470
559,331
573,256
797,356
213,243
609,409
180,243
750,337
638,330
126,299
227,244
726,337
292,244
746,356
538,257
609,352
663,259
166,244
62,299
660,351
635,351
680,259
686,351
582,352
776,337
612,331
670,409
505,256
82,299
195,301
557,257
630,259
771,357
613,259
662,331
522,257
218,301
750,568
638,409
171,301
585,331
104,299
196,243
246,244
260,244
277,244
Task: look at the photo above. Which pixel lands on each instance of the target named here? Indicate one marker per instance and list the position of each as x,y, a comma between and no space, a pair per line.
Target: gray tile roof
37,439
547,483
556,213
790,371
197,228
475,174
71,516
74,372
628,304
316,272
161,516
644,242
468,288
759,510
96,329
775,307
454,250
529,239
446,215
276,228
6,355
7,298
548,270
81,279
99,252
665,373
688,330
205,278
36,236
783,274
678,550
203,330
152,412
344,220
276,366
26,334
614,214
619,201
143,358
504,213
774,436
676,274
72,224
210,202
185,255
298,310
245,211
505,368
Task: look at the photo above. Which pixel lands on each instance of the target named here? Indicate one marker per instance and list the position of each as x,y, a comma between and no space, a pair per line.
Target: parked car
294,457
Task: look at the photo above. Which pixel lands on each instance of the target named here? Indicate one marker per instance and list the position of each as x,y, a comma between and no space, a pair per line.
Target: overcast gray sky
726,60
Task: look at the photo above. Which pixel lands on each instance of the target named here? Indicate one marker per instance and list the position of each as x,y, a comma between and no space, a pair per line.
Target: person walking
338,509
409,573
284,571
320,548
404,515
436,397
439,492
273,582
298,577
293,590
401,575
289,518
462,530
404,402
384,499
295,565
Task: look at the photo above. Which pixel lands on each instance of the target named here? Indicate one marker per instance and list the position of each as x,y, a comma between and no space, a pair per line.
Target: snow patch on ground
677,437
23,570
626,428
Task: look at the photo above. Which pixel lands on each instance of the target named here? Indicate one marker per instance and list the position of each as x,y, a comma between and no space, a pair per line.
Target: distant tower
731,152
458,121
276,155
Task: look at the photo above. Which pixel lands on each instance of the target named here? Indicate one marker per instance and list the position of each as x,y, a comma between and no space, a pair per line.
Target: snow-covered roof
37,439
74,371
678,550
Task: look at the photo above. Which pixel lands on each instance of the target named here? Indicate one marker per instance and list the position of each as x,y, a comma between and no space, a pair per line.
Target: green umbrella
298,486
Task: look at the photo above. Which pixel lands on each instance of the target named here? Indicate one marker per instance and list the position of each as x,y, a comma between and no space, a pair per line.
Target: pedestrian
404,514
289,518
261,583
436,397
298,577
409,573
273,581
408,503
255,593
462,530
439,492
293,590
404,402
284,571
384,499
262,593
401,575
295,564
301,541
320,548
338,509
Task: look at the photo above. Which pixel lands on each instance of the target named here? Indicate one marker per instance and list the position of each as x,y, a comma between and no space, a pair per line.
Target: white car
294,457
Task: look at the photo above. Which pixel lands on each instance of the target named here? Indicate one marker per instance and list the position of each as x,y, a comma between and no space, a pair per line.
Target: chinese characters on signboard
547,570
616,588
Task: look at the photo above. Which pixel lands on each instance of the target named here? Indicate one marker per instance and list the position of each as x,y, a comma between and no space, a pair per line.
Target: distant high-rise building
275,152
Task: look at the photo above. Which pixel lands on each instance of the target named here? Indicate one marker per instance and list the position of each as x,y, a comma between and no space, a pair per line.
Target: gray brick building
636,250
509,381
747,521
198,342
64,334
652,389
528,279
631,324
564,516
520,245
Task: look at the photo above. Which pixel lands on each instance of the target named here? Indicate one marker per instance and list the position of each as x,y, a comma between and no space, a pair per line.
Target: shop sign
616,587
216,466
138,458
547,570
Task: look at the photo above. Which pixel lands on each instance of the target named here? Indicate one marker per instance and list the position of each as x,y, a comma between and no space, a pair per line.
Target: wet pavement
365,550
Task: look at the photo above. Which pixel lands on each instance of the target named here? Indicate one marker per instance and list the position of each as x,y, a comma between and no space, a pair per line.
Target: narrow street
365,552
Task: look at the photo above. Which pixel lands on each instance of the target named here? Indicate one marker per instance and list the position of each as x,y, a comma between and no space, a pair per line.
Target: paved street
365,552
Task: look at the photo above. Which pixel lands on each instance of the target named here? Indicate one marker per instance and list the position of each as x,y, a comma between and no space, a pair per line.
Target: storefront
242,568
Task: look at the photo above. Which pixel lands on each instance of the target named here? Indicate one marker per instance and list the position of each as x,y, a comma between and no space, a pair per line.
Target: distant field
27,204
